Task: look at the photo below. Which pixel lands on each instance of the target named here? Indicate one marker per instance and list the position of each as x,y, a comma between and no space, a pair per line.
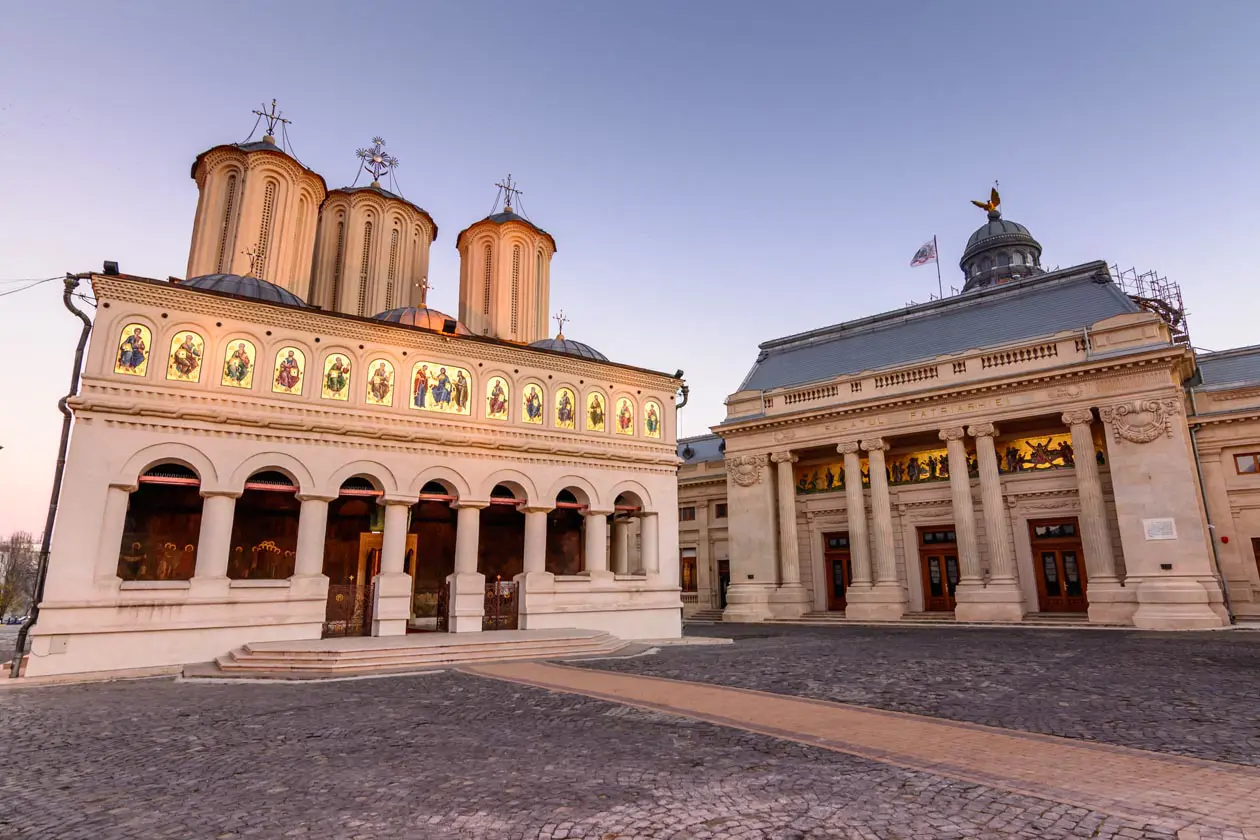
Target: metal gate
501,603
349,611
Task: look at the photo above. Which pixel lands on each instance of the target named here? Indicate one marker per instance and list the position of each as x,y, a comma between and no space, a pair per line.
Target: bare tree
19,558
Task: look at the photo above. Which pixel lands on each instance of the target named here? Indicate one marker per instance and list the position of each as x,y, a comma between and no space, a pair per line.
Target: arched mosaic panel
289,371
566,408
336,382
498,392
532,404
624,421
652,419
380,383
134,345
184,362
596,412
238,363
445,389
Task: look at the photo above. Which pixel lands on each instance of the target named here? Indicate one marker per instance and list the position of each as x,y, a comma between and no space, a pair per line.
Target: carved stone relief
745,470
1141,421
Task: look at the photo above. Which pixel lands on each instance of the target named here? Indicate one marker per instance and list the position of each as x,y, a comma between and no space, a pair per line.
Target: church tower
505,274
372,251
255,197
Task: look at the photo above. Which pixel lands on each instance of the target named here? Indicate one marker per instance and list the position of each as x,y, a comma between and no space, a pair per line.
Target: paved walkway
1179,793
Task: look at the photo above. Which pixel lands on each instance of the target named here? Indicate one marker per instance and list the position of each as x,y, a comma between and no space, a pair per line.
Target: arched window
163,524
540,302
516,285
264,228
363,267
337,259
393,268
264,529
228,205
485,294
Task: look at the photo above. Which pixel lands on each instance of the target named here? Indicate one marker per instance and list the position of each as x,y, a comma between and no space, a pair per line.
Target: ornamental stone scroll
1141,421
953,433
745,470
982,430
783,457
1078,417
877,444
849,447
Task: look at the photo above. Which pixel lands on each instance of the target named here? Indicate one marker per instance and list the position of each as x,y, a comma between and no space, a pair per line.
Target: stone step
705,615
403,650
234,662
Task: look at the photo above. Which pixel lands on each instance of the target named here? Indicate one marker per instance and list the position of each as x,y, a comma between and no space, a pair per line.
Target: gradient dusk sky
715,174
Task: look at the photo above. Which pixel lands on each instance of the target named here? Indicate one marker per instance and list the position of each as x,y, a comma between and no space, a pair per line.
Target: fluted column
789,551
997,524
1100,560
885,599
855,501
621,546
885,559
596,528
467,585
970,572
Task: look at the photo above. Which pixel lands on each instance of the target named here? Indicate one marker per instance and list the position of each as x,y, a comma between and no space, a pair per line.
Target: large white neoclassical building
289,443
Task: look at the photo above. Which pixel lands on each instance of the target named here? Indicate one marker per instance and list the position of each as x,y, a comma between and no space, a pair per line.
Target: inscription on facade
933,412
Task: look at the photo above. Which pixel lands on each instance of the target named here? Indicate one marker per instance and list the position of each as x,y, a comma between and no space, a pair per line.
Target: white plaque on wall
1160,529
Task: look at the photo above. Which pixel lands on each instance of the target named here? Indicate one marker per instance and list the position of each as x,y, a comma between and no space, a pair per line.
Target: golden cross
508,191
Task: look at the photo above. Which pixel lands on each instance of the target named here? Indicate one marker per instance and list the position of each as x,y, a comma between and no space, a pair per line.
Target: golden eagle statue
992,204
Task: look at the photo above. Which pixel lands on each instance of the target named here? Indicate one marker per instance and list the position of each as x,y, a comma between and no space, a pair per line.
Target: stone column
650,543
595,527
855,502
888,596
467,585
535,585
621,545
1108,602
750,537
214,543
308,578
790,600
535,561
392,588
971,574
1003,600
113,524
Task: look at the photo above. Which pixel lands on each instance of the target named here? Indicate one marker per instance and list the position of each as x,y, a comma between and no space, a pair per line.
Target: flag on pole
925,254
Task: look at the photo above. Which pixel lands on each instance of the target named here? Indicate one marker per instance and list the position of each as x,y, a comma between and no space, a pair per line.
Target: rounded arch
632,488
168,453
455,484
522,485
381,476
278,461
583,490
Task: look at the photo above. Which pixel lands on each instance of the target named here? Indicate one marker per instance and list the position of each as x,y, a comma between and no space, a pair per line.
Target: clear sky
715,174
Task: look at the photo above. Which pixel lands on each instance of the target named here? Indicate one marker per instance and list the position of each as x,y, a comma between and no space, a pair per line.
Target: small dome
419,316
503,218
246,287
573,348
998,231
998,252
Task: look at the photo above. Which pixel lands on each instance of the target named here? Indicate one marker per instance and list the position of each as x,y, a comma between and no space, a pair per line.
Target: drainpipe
41,575
1207,511
683,390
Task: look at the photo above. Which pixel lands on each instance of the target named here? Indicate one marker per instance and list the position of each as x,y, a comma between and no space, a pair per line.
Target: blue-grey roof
246,287
419,316
695,450
1230,366
1042,305
509,216
573,348
381,191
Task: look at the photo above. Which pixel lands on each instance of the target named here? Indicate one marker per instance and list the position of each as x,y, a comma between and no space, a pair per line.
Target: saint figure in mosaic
185,360
238,367
461,390
533,404
336,379
496,400
288,371
380,385
420,387
652,421
625,417
564,409
594,413
133,350
441,390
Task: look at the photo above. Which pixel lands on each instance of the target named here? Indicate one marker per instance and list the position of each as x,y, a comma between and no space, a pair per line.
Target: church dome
573,348
243,286
419,316
504,217
998,252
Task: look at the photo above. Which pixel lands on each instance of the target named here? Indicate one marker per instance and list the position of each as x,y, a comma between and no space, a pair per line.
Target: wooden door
839,565
1058,565
938,561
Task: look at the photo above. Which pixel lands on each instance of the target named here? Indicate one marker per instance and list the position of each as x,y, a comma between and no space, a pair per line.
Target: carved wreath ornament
745,470
1141,421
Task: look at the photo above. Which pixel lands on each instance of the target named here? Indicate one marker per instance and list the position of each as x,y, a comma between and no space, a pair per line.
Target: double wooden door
839,564
1058,565
938,563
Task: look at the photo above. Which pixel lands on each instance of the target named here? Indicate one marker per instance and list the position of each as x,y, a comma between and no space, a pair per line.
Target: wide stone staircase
323,658
705,616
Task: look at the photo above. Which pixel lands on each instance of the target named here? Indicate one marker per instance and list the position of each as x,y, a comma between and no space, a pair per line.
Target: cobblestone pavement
8,640
452,755
1195,694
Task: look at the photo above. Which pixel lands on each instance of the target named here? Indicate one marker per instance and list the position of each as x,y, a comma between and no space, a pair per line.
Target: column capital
784,457
398,499
1078,417
314,497
227,494
598,512
876,445
848,447
469,504
953,433
980,430
535,509
125,486
644,514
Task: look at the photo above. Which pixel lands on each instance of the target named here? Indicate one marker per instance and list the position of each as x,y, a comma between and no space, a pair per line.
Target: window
687,514
687,569
719,510
516,285
227,221
264,229
363,268
1248,464
393,267
485,290
336,278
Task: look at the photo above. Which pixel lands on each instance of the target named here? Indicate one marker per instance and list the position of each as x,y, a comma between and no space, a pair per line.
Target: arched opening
163,522
501,541
431,550
264,528
566,553
352,556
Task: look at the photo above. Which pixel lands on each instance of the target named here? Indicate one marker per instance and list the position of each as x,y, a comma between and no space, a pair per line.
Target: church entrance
938,560
839,566
501,557
1059,565
430,554
352,557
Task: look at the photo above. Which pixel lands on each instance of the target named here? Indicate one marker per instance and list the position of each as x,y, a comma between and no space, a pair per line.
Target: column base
391,604
791,600
467,602
876,602
1110,602
534,590
995,602
1175,604
748,602
309,586
217,588
599,576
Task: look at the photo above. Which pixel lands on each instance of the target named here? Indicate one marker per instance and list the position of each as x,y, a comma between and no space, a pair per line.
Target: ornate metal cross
255,260
508,191
376,160
272,117
560,319
424,291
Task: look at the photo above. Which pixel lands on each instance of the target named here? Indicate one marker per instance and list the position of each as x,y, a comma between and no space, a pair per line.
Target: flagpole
940,289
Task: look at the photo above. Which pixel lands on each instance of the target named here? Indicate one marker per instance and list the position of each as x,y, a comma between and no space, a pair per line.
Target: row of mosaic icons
1021,454
434,387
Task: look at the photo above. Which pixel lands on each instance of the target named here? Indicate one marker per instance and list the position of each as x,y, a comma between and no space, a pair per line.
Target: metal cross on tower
272,117
508,191
425,287
561,320
376,160
255,260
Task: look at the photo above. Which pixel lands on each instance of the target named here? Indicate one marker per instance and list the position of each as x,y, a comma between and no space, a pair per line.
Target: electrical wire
30,285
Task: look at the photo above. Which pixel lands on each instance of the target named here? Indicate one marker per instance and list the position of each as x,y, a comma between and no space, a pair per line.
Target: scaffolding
1157,294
